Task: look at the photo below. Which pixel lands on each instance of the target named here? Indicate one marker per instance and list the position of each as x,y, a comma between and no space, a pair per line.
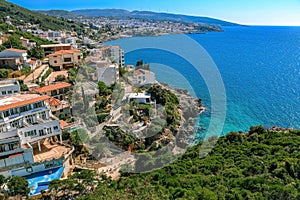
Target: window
15,124
55,128
9,92
78,57
43,116
55,61
13,146
30,133
49,130
2,148
30,119
41,132
15,91
6,113
29,169
67,60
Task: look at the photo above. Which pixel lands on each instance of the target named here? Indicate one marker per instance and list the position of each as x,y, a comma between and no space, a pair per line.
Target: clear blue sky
252,12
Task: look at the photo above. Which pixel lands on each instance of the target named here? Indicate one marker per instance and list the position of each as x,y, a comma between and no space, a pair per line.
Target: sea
245,76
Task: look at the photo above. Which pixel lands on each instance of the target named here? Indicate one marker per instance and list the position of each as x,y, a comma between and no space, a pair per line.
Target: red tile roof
62,123
54,102
49,88
63,52
23,103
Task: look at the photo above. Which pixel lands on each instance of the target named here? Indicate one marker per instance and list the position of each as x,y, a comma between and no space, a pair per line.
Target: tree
60,78
2,179
2,47
103,89
37,52
3,73
18,185
13,42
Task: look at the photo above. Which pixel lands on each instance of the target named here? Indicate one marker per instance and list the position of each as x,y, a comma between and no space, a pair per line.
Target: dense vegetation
256,165
21,16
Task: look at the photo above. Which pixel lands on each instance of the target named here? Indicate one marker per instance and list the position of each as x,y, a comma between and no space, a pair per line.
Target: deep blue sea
259,66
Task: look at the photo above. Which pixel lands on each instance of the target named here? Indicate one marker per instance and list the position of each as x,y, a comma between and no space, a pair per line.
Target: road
35,75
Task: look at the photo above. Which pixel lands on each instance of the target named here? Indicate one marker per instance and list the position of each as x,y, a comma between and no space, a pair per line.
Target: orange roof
32,61
54,102
17,50
49,88
62,123
62,52
24,102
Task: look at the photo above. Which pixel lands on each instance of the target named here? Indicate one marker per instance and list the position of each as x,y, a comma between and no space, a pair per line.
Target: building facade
13,58
57,90
9,87
28,132
52,48
65,59
114,53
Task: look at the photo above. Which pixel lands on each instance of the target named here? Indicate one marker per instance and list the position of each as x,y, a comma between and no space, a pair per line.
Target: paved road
36,74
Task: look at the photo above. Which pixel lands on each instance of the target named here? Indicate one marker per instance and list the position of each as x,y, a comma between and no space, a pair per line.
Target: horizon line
175,13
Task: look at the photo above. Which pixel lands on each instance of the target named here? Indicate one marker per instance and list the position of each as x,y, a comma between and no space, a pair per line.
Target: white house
143,77
140,98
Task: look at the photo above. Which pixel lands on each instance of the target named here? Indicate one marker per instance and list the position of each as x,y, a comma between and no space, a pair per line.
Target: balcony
40,127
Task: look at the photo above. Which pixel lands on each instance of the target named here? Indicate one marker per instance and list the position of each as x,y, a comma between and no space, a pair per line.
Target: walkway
35,75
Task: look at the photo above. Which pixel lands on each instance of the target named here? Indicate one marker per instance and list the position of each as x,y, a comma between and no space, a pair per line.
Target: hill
120,13
59,13
260,164
22,16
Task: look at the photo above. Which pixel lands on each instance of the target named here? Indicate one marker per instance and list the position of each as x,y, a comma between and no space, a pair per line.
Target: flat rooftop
49,151
138,96
8,83
55,45
18,100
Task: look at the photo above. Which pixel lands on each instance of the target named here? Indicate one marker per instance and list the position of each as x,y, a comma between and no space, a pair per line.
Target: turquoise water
260,68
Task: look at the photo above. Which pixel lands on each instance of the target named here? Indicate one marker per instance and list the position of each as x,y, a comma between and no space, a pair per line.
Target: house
13,58
31,140
143,77
108,74
33,63
114,53
27,43
51,48
57,90
59,107
9,87
140,98
64,59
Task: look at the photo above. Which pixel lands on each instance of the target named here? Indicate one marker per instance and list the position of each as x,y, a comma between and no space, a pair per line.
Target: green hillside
22,16
256,165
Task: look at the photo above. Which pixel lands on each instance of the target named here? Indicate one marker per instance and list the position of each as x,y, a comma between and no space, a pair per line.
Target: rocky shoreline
190,108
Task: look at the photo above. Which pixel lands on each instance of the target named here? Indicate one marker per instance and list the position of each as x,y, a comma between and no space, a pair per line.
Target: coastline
190,109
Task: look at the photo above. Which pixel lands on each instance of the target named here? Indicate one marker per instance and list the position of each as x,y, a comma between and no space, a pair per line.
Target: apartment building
115,53
30,136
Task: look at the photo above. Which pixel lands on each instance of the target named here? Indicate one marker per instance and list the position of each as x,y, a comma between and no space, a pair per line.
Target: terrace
50,151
